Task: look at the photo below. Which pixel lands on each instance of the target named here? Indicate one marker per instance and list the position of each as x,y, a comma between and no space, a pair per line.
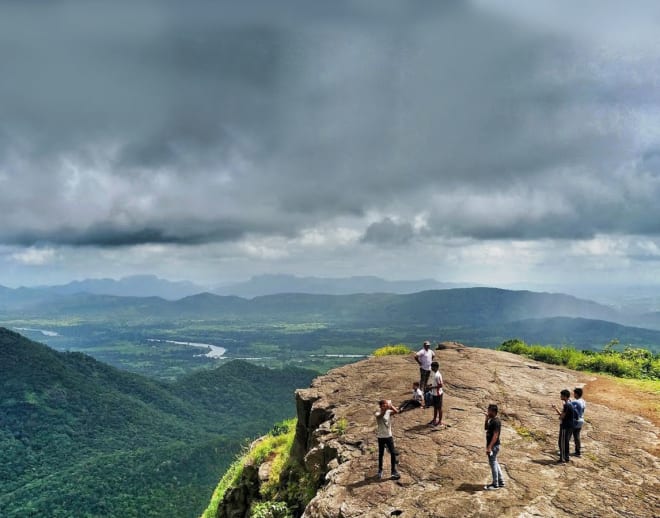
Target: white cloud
35,256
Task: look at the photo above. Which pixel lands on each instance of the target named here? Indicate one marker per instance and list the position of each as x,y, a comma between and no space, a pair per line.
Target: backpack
576,414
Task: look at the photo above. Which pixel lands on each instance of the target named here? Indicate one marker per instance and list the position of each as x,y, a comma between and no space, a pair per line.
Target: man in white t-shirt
384,435
436,391
424,357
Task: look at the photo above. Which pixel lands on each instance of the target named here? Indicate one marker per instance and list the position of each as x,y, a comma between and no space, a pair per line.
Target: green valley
153,336
80,438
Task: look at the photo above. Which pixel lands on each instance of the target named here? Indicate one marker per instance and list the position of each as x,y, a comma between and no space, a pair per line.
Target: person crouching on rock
384,434
493,426
416,401
436,391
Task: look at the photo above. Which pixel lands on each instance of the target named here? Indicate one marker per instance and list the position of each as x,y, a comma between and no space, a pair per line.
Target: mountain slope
78,437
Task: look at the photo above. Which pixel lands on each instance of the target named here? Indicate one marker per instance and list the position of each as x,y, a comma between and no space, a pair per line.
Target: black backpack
576,414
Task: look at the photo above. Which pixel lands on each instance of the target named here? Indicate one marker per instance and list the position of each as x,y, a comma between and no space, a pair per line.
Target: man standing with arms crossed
424,357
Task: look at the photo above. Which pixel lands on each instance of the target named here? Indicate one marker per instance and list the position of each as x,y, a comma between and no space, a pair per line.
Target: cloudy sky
485,141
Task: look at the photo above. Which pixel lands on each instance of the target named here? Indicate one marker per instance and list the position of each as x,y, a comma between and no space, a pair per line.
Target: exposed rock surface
444,470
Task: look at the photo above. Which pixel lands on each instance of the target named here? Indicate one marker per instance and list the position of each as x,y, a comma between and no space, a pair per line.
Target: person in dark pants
424,357
580,406
384,435
565,425
493,427
416,401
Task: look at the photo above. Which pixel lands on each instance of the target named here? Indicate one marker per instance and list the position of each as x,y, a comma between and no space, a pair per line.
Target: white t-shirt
417,395
425,358
384,424
436,385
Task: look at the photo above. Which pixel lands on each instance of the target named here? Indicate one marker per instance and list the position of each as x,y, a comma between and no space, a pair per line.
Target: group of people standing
571,417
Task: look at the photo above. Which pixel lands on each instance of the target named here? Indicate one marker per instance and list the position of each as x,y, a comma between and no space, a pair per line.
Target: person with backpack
579,406
566,416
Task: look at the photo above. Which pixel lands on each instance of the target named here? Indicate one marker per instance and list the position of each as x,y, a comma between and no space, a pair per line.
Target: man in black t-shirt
565,424
493,426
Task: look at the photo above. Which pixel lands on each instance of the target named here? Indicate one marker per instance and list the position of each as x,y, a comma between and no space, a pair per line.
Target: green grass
274,447
340,426
635,363
393,350
230,478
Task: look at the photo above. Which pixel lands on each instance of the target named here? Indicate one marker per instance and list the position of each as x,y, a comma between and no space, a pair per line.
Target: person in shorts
436,392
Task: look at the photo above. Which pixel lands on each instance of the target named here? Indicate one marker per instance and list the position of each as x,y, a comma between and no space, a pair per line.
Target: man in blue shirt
580,406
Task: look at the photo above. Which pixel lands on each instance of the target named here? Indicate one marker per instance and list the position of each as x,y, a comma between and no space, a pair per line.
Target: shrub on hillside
393,350
629,363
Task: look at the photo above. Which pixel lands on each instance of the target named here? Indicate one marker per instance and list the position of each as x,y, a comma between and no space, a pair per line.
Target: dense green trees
80,438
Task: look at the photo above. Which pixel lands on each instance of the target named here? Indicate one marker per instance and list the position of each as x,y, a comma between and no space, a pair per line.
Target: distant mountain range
80,438
484,314
152,286
133,286
273,284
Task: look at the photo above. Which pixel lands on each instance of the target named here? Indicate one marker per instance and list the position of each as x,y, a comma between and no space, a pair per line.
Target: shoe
577,455
380,475
501,484
395,476
491,487
431,421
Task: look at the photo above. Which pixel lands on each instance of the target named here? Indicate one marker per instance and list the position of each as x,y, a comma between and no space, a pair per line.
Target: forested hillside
78,437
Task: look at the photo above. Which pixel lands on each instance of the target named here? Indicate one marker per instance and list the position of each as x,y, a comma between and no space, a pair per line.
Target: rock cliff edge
443,470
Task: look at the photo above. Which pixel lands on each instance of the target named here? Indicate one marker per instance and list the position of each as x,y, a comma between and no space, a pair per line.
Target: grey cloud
275,119
104,235
388,232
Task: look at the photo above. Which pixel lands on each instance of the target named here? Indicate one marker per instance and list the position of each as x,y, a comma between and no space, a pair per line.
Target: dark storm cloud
387,232
159,122
103,235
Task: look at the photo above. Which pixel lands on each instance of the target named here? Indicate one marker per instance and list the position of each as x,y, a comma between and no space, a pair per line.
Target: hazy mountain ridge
278,283
482,316
132,286
457,305
78,437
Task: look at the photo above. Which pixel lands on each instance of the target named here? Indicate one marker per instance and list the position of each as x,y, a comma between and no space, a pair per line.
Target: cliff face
444,470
